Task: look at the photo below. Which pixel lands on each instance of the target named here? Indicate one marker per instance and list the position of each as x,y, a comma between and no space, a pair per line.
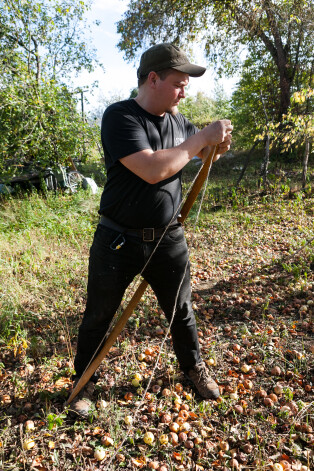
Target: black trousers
110,273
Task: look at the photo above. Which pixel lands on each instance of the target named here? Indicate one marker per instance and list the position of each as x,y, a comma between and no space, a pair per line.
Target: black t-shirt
127,199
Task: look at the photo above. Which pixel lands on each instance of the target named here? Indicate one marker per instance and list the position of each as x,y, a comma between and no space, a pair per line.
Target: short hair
162,74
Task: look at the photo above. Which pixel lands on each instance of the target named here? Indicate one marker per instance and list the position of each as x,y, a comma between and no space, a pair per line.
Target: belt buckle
148,234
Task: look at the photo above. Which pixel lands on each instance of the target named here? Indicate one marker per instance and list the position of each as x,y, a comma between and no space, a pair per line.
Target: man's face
171,90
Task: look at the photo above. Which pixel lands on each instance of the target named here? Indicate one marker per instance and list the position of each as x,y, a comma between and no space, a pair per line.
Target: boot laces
203,372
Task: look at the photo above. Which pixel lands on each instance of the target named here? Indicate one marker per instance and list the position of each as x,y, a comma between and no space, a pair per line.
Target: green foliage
50,37
201,109
297,126
55,420
222,103
276,35
259,81
41,42
223,25
258,78
39,124
133,93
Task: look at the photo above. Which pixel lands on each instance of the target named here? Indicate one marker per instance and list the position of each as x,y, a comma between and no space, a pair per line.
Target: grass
253,299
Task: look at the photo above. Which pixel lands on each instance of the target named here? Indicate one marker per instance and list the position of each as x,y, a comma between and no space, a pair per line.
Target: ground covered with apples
252,266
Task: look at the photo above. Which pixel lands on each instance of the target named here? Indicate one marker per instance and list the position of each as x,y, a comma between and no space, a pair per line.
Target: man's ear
152,79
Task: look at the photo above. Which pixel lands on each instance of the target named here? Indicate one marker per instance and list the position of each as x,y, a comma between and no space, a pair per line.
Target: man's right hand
218,132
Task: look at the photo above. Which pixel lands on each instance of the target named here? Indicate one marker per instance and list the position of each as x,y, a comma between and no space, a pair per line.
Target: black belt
147,234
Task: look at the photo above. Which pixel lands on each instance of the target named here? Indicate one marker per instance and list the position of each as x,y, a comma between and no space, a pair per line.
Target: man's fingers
229,129
218,131
227,139
224,146
227,123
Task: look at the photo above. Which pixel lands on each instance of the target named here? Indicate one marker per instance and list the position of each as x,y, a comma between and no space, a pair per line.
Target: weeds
55,421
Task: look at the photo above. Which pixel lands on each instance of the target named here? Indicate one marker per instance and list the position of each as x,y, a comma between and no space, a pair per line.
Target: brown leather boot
205,385
82,404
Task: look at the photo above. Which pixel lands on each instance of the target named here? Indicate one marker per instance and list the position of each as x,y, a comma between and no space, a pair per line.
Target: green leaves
201,109
43,125
295,127
47,36
275,36
42,42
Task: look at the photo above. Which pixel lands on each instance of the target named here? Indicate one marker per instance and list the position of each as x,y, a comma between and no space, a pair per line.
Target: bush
40,124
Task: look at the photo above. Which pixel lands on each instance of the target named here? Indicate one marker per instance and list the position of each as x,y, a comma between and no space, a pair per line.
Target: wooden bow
211,152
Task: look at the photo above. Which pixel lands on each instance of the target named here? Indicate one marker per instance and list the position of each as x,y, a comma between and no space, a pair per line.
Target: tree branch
254,29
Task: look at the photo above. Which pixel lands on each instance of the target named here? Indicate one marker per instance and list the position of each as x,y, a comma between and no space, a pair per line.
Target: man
146,144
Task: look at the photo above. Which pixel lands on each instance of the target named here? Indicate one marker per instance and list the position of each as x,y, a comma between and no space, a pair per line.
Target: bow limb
208,159
112,337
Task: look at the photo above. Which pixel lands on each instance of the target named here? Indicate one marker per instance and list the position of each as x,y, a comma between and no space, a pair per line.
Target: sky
119,77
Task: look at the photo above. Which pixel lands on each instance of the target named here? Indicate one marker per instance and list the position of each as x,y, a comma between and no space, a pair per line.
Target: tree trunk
246,164
264,167
305,161
285,92
280,54
37,58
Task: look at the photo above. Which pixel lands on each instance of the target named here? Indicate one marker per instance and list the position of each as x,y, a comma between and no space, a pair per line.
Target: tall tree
50,36
283,27
40,125
258,76
41,43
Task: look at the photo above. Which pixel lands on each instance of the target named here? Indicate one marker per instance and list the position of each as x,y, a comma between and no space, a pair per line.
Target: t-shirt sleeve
122,134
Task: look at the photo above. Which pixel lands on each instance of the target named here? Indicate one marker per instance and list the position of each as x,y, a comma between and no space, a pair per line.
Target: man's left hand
223,147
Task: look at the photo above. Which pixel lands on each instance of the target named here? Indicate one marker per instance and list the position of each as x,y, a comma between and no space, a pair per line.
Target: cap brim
191,69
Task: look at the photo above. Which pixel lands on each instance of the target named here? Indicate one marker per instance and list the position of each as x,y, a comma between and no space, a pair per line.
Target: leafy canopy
42,42
227,28
50,36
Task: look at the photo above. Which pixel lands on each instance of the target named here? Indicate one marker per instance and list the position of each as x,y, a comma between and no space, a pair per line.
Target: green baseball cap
167,56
